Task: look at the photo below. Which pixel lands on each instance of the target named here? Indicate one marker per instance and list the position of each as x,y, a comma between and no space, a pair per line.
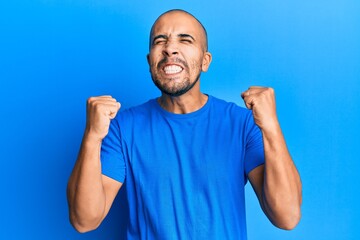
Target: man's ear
206,61
148,58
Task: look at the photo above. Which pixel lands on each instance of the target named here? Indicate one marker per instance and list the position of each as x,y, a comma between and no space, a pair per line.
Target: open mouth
172,69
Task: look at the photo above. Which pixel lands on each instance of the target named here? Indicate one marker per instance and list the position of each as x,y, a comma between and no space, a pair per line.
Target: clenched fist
261,100
100,110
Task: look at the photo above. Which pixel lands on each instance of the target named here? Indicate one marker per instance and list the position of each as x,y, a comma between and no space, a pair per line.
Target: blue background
55,54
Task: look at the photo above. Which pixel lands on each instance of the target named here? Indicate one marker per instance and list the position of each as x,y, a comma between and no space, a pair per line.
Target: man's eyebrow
185,35
180,35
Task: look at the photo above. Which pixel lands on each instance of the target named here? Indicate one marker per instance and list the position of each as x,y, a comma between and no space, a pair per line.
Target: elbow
83,226
290,220
286,214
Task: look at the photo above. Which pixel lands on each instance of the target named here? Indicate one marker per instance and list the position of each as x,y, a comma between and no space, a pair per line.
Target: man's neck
186,103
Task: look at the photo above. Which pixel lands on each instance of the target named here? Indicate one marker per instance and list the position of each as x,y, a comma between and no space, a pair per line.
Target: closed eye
186,40
160,39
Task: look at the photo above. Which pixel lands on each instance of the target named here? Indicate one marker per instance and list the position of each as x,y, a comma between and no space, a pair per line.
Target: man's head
178,52
205,44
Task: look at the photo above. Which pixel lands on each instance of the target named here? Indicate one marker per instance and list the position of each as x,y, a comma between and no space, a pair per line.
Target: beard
176,89
173,89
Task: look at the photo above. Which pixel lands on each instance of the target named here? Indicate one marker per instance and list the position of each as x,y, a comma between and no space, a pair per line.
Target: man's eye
159,42
186,40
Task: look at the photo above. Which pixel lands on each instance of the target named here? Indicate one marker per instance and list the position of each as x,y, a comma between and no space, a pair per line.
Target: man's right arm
90,193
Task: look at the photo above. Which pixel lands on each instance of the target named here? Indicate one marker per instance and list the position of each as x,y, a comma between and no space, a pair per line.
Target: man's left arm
277,183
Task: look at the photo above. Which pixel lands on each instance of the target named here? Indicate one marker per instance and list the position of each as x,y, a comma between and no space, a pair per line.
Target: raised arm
277,183
91,194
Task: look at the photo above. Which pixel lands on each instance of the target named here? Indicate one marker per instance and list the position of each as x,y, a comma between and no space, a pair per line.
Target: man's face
177,53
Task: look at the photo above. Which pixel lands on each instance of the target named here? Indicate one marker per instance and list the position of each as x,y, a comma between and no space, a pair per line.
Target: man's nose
170,49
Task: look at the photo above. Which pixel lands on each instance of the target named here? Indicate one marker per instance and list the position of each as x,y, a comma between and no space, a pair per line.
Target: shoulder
232,114
136,113
229,108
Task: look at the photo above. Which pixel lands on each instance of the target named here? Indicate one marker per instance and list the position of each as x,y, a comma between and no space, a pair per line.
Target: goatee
176,91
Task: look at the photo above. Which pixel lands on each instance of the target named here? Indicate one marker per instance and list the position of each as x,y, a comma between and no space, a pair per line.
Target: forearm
86,196
282,186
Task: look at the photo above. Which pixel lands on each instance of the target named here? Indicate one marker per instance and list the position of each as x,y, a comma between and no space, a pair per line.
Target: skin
178,39
178,42
91,194
277,183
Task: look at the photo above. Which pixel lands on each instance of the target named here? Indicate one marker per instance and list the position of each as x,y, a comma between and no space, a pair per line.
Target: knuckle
97,106
90,100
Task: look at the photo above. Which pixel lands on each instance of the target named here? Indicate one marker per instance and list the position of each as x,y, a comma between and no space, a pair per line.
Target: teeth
172,69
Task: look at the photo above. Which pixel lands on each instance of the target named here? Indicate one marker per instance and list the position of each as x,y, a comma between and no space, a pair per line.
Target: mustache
167,60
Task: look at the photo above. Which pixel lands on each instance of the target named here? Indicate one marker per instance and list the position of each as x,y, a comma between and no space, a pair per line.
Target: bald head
178,13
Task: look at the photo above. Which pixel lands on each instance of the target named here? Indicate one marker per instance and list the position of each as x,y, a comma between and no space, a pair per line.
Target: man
185,156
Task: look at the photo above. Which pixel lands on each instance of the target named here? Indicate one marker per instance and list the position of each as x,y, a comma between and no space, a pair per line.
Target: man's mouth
172,69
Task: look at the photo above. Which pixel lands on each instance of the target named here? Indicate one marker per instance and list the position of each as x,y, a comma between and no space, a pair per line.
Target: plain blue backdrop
55,54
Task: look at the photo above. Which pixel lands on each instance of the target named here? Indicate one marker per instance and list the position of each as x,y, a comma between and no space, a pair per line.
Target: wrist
271,130
91,138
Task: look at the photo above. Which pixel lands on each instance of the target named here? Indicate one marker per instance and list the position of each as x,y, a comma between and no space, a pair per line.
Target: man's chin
173,92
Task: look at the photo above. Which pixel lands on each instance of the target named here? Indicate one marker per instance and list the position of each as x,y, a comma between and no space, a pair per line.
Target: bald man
186,156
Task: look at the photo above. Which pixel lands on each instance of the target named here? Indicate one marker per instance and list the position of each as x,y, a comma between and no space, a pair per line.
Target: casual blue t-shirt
184,173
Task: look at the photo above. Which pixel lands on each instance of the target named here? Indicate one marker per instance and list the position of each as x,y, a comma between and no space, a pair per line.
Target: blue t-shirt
184,173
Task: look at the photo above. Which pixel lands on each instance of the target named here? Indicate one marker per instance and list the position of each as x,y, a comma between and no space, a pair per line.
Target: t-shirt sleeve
112,156
254,150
